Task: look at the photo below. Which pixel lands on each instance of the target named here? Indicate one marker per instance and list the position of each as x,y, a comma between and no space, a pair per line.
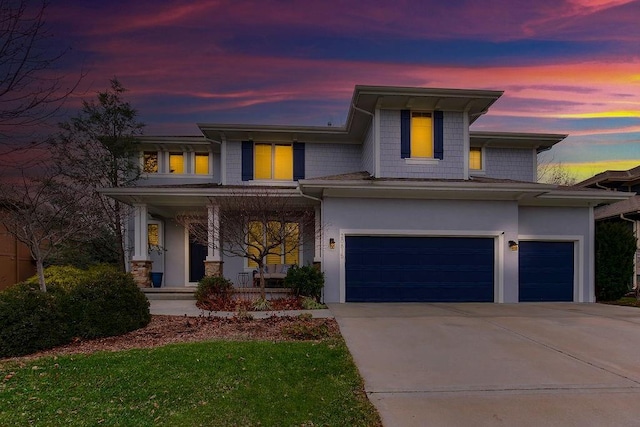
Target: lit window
150,162
475,158
202,164
273,161
287,240
176,163
421,134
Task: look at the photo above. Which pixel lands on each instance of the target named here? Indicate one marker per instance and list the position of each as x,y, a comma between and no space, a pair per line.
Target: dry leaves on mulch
164,330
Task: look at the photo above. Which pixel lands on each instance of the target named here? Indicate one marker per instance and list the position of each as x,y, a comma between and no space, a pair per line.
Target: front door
197,255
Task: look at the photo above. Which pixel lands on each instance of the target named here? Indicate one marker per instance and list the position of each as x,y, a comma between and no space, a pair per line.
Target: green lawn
218,383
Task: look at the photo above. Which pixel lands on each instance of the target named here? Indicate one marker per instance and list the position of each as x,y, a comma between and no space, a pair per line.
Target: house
626,210
409,203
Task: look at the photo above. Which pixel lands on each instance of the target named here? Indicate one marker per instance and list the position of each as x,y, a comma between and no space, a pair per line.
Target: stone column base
317,265
213,268
140,271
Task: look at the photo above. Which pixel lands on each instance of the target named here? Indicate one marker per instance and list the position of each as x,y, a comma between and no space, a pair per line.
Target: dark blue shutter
438,135
405,134
298,161
247,160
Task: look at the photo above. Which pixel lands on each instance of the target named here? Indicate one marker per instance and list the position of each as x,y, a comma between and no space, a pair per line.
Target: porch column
140,262
213,261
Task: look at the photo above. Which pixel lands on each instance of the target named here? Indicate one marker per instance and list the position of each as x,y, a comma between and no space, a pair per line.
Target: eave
538,141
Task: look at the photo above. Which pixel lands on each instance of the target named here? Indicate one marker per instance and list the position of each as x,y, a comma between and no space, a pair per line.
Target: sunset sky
566,66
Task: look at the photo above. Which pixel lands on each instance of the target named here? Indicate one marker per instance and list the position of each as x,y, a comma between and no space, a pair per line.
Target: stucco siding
393,166
510,163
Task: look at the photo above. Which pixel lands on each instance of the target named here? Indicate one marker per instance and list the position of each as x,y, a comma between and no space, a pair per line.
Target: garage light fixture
332,243
513,245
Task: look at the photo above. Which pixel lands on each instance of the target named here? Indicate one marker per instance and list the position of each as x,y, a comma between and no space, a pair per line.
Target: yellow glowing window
421,134
255,240
176,163
202,164
291,244
153,235
286,241
475,158
273,161
150,162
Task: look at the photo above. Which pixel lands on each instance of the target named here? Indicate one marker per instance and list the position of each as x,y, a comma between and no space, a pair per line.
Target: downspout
635,258
376,152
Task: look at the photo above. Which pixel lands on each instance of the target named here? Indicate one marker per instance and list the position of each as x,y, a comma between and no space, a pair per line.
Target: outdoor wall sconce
513,245
332,243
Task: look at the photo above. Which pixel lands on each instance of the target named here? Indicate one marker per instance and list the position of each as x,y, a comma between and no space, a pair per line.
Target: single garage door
546,271
433,269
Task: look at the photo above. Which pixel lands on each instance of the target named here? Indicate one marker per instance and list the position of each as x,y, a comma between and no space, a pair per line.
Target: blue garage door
434,269
546,271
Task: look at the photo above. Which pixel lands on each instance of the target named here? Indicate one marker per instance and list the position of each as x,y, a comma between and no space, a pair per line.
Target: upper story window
272,161
150,162
421,135
176,163
475,158
202,164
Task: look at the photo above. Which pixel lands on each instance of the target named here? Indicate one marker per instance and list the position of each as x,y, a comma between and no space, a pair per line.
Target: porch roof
169,200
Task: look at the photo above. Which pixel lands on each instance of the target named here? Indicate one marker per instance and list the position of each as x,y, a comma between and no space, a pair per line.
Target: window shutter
438,135
298,161
405,134
247,160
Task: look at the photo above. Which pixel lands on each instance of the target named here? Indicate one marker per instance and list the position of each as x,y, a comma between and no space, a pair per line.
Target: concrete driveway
556,364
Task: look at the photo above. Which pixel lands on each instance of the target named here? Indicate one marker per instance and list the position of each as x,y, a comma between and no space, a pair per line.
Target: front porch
190,234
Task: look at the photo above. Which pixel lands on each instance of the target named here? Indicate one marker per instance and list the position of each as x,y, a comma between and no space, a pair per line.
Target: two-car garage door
450,269
403,269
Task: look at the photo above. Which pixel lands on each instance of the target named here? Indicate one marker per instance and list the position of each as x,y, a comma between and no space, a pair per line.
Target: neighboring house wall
331,159
561,224
421,218
510,163
393,166
16,263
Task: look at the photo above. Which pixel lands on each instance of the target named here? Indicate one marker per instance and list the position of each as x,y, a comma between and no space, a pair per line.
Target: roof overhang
538,141
526,194
169,201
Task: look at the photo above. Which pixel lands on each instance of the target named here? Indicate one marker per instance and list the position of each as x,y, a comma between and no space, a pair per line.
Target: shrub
89,304
30,320
62,276
108,303
615,249
305,281
213,286
307,329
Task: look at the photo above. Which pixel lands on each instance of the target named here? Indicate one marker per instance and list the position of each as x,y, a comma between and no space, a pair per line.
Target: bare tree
256,224
29,92
554,172
42,212
98,149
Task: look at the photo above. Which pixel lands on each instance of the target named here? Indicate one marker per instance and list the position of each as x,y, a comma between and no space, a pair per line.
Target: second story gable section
166,160
390,132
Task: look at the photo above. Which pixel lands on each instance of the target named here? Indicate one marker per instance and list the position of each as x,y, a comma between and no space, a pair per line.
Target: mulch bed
163,330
